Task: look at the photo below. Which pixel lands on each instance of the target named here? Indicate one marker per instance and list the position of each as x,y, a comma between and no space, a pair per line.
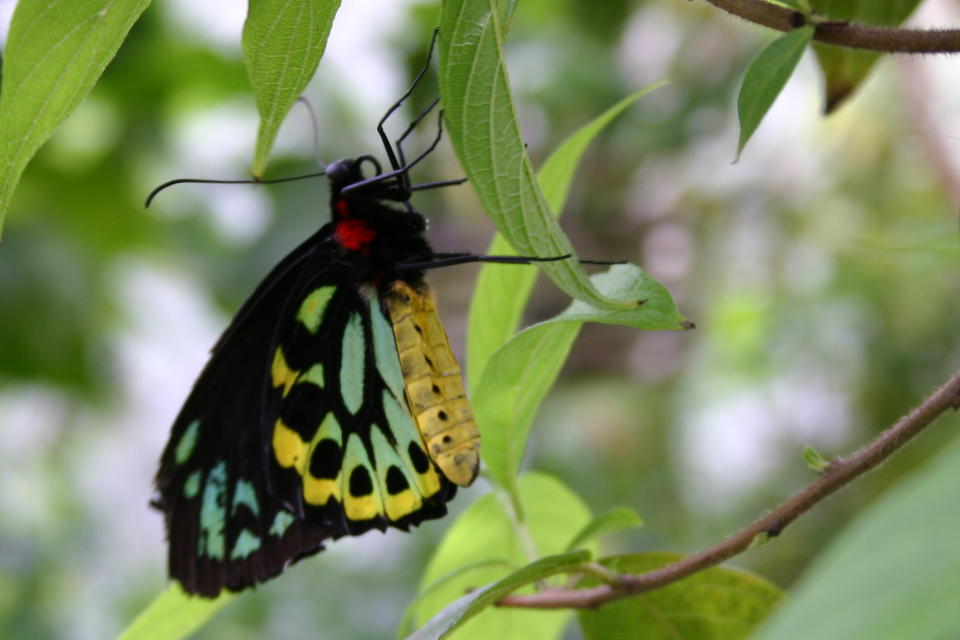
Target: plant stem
509,498
839,473
847,34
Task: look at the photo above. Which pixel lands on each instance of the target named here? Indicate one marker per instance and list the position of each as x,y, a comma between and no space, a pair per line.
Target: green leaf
556,175
486,531
893,573
766,76
759,540
55,52
617,519
483,129
406,623
845,68
282,45
173,614
511,389
502,291
471,604
717,603
521,372
814,459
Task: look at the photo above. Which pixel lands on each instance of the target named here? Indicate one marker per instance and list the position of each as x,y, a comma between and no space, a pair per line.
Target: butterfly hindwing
349,449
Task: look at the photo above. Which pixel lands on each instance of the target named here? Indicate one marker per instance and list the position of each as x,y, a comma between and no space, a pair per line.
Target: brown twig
838,474
847,34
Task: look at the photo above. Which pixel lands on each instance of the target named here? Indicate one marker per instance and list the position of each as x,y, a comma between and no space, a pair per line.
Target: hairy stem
846,34
839,473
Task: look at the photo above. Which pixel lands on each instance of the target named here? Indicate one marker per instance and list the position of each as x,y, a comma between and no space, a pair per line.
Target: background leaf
173,615
502,291
715,604
521,372
893,573
55,52
282,45
473,603
846,69
808,255
616,519
485,531
765,78
484,131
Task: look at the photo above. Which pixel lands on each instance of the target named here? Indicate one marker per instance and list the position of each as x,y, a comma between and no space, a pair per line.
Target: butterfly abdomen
433,384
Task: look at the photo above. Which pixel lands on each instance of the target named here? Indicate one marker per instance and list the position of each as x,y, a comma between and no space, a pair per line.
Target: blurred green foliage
821,272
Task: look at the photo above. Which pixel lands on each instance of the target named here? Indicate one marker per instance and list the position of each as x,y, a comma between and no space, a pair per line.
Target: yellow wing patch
281,374
288,447
319,490
433,384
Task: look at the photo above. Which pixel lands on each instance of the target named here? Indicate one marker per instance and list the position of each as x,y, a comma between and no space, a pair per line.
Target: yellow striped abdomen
433,384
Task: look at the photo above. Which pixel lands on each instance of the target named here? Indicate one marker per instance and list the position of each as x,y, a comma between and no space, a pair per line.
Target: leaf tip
741,143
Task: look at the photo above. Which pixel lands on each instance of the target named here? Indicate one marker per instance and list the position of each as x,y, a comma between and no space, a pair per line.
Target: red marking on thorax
354,234
342,209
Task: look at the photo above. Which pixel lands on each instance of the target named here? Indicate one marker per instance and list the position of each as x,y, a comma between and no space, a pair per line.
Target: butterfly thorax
376,236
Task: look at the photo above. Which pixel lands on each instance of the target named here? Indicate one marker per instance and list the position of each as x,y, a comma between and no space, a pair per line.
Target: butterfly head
346,172
343,172
365,219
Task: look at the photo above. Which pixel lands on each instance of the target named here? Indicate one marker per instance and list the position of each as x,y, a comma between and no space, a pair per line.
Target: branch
838,474
847,34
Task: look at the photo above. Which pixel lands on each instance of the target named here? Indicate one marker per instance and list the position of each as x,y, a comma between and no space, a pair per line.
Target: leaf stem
509,498
840,472
602,573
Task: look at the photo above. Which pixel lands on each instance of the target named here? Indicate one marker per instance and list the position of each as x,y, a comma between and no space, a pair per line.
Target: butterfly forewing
224,527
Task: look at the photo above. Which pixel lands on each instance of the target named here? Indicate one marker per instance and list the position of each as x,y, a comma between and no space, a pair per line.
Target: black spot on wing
326,460
360,484
419,459
303,409
396,481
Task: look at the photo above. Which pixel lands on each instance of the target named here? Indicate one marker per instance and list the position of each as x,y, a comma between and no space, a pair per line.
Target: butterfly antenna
170,183
315,128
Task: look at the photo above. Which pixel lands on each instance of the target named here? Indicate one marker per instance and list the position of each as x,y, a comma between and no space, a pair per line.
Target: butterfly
332,404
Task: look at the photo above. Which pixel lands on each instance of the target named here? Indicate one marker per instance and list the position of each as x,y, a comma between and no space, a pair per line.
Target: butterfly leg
398,143
401,172
388,148
450,259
